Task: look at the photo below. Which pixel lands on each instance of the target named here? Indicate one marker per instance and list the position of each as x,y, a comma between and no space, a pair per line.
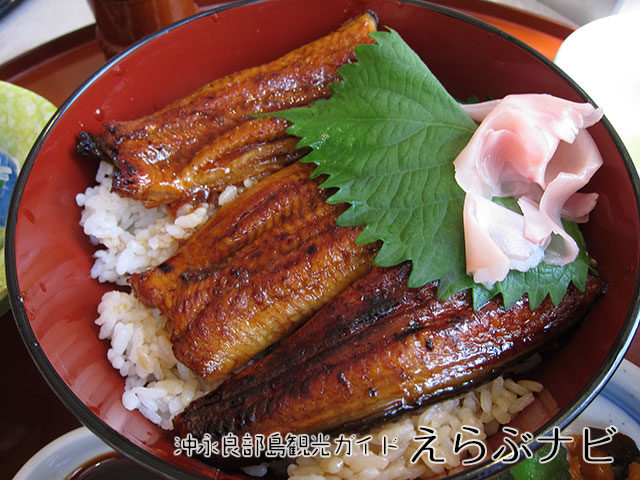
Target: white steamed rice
134,238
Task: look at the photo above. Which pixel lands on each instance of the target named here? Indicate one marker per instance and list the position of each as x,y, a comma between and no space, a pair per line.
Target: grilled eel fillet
378,350
206,139
254,272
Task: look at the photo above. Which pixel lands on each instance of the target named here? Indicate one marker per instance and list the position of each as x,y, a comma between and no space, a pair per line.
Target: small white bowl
61,457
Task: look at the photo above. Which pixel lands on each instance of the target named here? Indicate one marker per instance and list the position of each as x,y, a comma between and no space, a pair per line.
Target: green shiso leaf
386,140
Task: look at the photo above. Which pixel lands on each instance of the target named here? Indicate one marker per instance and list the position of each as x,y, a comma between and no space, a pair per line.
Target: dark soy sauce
112,466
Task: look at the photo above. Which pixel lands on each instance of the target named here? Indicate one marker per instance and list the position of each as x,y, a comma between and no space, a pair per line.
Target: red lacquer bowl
49,258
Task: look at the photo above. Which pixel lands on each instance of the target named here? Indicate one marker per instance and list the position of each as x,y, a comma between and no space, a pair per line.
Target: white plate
618,404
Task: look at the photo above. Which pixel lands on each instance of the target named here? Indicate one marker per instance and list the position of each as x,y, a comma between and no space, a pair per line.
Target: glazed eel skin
209,139
258,268
378,350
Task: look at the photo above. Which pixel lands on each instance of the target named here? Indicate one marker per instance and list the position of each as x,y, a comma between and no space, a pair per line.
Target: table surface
22,436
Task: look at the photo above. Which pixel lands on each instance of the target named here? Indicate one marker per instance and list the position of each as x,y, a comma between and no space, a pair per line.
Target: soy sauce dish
49,258
80,455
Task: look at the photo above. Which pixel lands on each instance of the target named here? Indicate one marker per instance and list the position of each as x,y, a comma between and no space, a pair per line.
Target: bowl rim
487,468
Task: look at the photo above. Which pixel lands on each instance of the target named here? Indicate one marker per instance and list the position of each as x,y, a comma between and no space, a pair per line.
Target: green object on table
23,115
